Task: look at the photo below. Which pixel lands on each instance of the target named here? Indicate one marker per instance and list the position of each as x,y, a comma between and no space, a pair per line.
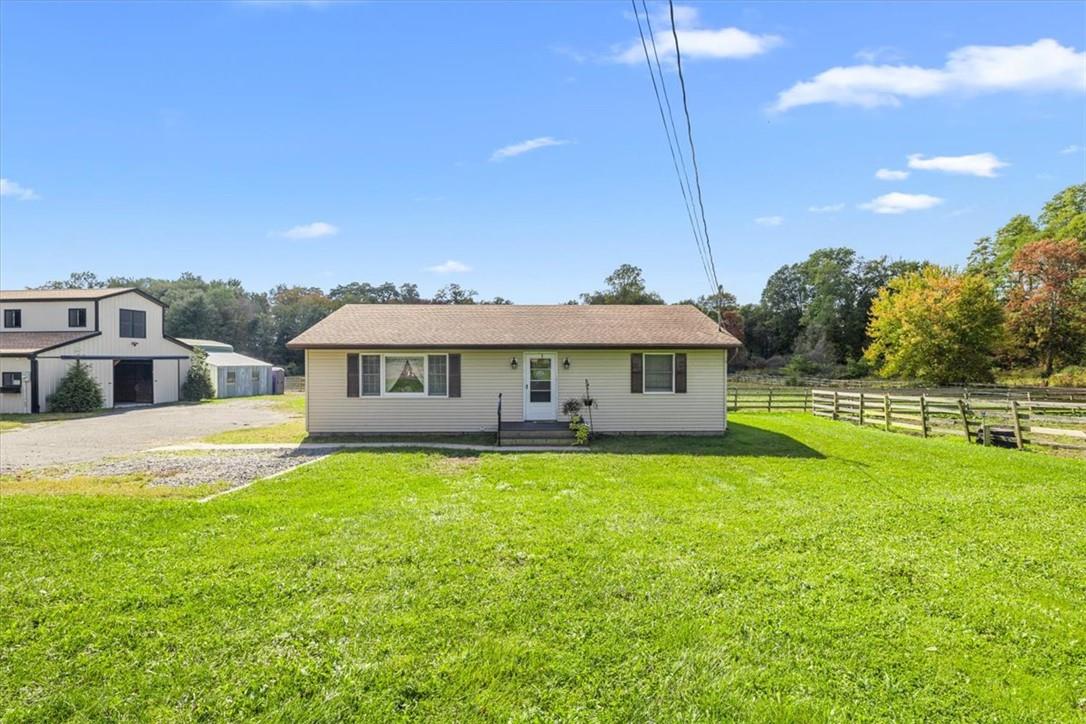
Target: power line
674,146
693,151
688,188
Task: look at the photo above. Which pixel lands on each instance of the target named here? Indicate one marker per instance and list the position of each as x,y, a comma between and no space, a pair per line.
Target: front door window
540,395
539,380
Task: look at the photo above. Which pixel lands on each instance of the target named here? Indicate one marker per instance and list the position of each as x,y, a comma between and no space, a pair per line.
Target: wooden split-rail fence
1018,423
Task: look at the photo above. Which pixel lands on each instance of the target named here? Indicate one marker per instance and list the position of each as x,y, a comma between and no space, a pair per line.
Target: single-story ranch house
439,368
117,333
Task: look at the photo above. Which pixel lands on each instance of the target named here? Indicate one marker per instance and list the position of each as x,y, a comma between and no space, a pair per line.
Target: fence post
806,396
835,404
886,410
1017,425
769,404
735,399
965,420
924,415
861,409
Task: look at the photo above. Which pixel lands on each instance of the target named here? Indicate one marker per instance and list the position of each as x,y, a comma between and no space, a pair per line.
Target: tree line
261,323
1020,302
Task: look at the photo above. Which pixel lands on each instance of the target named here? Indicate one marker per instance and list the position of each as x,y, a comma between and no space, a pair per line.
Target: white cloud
695,42
686,16
827,209
885,174
309,231
449,267
531,144
1073,148
1043,66
17,191
898,203
769,220
976,164
882,54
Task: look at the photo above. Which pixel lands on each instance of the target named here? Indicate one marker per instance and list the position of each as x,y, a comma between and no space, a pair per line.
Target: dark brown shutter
454,375
352,375
680,372
636,379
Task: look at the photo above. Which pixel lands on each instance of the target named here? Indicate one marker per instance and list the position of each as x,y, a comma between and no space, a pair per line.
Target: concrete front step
537,435
537,441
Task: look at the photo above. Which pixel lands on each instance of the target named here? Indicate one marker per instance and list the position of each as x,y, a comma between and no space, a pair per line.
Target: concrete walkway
367,446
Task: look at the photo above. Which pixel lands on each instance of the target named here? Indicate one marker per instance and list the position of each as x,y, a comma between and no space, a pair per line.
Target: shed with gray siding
234,374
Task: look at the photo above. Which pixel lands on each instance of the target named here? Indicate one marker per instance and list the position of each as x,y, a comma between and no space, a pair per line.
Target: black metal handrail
499,419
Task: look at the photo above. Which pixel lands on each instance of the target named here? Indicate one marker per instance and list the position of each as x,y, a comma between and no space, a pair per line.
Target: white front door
540,387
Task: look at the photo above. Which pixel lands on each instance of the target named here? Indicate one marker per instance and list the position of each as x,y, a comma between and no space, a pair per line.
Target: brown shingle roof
500,325
23,295
55,295
23,343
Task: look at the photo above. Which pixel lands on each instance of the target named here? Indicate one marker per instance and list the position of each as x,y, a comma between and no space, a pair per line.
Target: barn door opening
133,382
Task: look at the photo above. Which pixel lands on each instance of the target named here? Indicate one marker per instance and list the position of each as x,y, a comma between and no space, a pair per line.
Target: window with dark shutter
659,373
680,372
13,318
133,323
454,375
77,317
635,372
371,375
437,372
352,375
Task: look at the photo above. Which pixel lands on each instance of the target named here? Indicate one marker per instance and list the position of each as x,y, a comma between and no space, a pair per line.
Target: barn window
77,317
11,382
133,323
659,373
13,318
231,377
255,376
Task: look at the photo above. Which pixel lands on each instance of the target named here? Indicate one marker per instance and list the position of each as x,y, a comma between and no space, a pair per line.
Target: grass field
796,570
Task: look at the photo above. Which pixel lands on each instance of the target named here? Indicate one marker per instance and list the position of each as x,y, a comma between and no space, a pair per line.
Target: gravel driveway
185,469
126,431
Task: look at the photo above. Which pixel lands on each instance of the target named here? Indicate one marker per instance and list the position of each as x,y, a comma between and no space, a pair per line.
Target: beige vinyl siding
485,373
49,316
14,403
699,409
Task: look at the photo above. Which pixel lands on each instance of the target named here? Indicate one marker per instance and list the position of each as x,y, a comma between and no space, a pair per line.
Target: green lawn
796,570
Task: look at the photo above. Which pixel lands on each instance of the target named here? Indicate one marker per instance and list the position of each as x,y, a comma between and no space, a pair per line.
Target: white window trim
645,368
425,394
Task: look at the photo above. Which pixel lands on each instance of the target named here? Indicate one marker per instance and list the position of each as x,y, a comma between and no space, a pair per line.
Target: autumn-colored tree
1046,307
935,325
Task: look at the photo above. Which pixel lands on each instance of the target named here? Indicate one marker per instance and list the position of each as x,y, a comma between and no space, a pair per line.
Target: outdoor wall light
565,363
513,363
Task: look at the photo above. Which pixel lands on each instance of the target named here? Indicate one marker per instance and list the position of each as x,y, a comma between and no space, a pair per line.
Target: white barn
117,333
234,374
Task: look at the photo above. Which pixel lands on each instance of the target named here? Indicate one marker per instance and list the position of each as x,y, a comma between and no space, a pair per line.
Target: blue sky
320,143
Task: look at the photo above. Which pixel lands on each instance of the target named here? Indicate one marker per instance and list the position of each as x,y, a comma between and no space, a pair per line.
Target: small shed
234,374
